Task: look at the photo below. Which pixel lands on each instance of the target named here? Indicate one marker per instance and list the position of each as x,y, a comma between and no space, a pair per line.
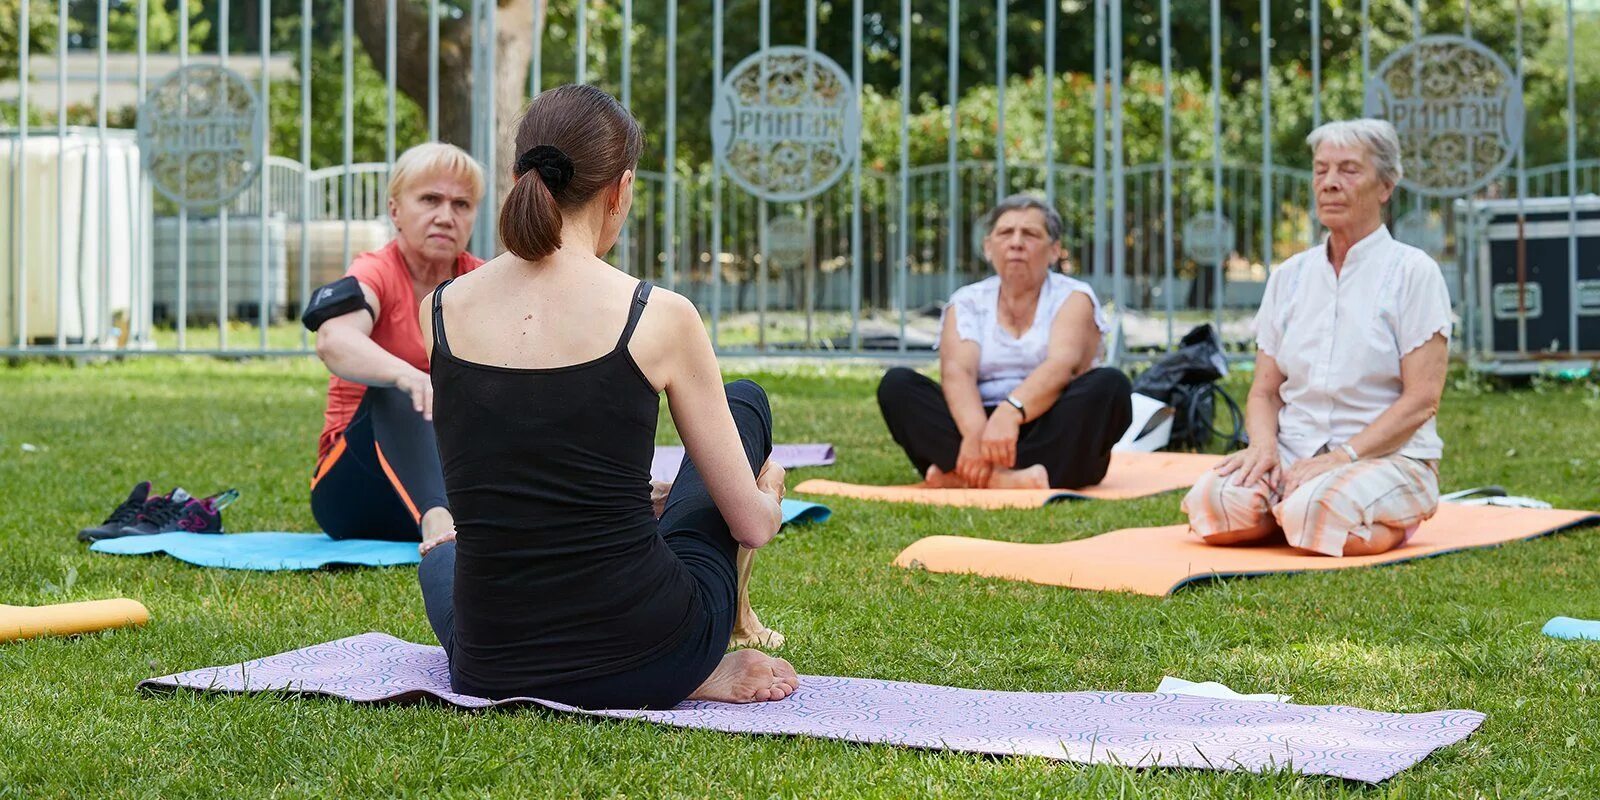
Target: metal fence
98,261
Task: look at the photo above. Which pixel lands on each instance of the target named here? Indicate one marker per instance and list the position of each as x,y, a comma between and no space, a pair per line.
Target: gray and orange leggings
382,474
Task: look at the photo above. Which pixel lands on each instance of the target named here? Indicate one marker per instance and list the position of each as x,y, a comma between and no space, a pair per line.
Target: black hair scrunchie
553,166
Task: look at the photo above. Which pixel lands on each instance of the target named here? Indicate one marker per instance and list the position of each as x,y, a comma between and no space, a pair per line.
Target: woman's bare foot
747,629
1034,477
1384,538
748,676
749,632
939,479
1243,536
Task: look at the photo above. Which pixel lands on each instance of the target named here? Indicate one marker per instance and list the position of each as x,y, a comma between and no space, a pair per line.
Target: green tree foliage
370,111
122,26
1547,94
41,28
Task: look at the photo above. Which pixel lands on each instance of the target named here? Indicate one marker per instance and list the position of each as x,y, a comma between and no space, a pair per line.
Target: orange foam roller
65,619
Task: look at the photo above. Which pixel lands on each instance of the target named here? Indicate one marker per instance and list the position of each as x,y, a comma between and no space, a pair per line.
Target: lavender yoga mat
788,456
1144,730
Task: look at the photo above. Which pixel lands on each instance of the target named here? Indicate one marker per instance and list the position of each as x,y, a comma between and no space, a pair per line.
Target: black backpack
1186,380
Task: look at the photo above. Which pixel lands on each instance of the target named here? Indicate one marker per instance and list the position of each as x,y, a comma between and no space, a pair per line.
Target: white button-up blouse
1004,361
1339,339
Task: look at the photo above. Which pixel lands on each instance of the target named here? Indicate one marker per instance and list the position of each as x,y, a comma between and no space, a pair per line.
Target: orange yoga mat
1159,561
1131,475
63,619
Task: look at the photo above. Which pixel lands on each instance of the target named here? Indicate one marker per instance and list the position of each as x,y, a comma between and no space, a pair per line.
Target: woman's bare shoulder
669,312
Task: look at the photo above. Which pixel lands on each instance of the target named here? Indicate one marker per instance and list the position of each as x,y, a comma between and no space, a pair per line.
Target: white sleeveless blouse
1005,360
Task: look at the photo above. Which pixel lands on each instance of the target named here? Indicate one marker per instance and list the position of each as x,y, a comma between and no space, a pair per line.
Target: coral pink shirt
396,330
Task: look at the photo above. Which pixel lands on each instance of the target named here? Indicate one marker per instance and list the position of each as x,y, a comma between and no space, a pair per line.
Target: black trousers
382,475
696,533
1072,439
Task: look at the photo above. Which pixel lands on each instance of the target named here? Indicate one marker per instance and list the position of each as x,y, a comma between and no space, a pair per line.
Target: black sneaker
157,515
180,512
125,514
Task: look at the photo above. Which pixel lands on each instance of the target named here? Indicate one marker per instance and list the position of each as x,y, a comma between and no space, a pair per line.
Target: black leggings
1072,438
696,533
383,473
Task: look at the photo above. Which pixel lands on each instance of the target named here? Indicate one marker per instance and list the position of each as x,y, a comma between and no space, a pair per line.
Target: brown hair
572,142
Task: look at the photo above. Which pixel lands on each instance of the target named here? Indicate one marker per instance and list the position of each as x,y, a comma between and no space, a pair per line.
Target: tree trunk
515,24
515,28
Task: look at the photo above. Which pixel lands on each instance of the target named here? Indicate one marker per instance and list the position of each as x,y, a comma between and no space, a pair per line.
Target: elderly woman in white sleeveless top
1352,348
1024,403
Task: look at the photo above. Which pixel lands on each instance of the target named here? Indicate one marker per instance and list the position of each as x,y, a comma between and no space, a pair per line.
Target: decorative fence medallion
1457,108
1200,242
784,123
200,135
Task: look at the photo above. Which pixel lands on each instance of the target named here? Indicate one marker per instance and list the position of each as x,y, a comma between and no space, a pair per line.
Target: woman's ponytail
530,220
570,125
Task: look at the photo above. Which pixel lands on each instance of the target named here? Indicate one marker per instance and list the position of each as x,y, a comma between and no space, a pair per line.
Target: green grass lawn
1460,631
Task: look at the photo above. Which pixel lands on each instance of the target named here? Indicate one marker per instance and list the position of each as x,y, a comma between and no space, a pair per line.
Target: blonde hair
430,158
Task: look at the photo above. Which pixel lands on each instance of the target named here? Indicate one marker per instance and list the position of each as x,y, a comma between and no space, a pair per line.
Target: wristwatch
1012,400
1350,452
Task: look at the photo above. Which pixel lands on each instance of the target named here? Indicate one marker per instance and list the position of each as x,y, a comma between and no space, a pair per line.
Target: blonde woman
377,474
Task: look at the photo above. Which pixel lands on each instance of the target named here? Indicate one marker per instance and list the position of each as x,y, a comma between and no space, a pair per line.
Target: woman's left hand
428,545
1000,438
1309,468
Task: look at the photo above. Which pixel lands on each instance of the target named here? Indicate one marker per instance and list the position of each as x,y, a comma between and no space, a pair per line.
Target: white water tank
203,269
70,273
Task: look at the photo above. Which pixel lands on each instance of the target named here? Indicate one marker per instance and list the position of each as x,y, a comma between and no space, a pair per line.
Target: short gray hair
1022,202
1376,135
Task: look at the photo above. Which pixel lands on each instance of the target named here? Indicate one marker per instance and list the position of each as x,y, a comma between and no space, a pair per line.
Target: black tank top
560,573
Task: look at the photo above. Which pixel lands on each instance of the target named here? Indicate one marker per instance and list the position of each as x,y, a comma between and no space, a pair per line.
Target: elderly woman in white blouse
1023,404
1352,348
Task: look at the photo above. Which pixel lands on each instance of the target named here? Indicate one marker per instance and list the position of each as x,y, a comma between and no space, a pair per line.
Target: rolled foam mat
789,456
294,551
65,619
1130,729
1130,475
1159,561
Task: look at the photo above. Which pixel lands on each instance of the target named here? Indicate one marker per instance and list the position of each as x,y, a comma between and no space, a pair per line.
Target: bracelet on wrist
1012,401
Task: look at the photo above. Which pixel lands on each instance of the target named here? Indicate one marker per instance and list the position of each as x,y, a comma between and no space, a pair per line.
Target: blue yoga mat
799,512
264,551
1569,628
290,551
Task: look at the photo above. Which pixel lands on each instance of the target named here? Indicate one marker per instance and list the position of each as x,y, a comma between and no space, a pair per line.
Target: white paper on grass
1171,685
1508,501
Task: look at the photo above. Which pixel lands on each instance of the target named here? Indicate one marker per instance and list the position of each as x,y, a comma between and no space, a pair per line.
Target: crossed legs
1365,508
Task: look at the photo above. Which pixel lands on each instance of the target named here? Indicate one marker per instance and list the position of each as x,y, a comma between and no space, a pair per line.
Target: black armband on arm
335,300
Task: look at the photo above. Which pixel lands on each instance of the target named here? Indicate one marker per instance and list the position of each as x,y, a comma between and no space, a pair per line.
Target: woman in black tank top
548,364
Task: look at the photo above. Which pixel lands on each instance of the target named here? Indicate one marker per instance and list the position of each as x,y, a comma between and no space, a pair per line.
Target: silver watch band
1349,451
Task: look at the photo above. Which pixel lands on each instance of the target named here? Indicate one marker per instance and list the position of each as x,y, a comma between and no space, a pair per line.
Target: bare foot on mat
748,676
1034,477
939,479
